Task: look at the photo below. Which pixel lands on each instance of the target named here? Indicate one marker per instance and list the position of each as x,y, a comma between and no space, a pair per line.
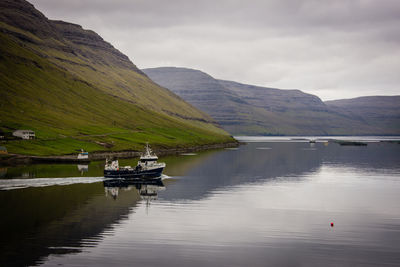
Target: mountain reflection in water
264,202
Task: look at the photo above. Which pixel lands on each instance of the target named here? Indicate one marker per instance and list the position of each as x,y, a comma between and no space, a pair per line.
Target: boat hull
134,174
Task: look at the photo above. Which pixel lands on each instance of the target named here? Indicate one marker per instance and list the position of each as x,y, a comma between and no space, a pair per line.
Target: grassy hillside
244,109
77,91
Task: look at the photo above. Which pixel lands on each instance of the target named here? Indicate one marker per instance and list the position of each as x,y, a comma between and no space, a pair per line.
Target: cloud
334,49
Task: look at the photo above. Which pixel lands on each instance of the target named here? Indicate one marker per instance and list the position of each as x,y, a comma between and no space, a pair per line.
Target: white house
3,150
24,134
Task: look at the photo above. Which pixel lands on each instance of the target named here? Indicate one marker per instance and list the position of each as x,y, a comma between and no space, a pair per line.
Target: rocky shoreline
14,159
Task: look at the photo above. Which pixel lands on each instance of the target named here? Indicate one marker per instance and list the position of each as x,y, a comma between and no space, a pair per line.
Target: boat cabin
142,159
147,158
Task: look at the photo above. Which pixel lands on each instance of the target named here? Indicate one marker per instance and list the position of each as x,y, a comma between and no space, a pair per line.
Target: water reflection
245,203
252,163
3,172
276,162
148,190
83,168
46,220
94,169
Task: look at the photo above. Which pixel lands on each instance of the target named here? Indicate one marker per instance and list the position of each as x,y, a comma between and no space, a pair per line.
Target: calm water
264,204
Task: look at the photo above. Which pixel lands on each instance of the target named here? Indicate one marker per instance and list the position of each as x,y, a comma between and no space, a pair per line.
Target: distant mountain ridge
76,90
244,109
379,111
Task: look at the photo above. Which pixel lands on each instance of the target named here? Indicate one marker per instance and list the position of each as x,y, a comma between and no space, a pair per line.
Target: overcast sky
333,48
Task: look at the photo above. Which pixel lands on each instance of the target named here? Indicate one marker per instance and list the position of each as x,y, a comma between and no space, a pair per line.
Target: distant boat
350,143
83,155
147,167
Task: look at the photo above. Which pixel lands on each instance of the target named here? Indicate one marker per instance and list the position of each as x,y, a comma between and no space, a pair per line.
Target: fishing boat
147,167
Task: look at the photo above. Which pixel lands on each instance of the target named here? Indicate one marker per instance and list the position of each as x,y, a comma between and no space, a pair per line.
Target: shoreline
16,159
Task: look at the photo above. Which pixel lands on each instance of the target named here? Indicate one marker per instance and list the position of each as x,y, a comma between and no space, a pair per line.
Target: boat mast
148,150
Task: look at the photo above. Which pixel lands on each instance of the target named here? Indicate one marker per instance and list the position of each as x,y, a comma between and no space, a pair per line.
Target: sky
334,48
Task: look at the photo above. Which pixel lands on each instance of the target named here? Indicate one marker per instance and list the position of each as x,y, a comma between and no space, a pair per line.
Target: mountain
204,92
244,109
379,111
76,90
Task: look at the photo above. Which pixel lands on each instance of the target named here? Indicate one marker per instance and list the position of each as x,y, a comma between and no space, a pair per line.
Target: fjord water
267,203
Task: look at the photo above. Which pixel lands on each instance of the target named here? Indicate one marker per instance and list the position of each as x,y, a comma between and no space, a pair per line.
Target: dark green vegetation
77,91
244,109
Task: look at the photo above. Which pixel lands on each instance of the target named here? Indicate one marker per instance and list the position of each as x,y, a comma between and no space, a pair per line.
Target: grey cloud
293,13
335,49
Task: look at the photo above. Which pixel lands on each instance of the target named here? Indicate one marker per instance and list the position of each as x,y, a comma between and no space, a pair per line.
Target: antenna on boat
148,149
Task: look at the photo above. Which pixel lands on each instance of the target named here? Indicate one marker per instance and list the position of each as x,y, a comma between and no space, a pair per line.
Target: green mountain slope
244,109
76,91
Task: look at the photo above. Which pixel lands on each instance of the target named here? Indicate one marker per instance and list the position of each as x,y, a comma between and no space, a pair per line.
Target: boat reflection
147,189
83,168
3,172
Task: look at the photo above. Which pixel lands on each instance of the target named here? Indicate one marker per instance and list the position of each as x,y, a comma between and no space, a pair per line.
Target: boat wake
165,177
9,184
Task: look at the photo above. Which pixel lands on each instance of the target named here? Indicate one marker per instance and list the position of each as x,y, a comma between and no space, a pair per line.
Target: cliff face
202,91
67,82
77,36
378,111
254,110
275,99
23,15
64,36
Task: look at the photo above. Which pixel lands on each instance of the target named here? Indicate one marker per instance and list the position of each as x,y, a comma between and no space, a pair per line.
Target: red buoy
332,224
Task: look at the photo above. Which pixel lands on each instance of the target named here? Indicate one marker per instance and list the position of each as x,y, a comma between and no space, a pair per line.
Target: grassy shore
13,159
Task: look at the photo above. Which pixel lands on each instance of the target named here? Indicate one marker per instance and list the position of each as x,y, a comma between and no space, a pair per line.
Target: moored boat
83,155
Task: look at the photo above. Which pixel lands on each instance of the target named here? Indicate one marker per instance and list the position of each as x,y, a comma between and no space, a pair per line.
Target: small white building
3,150
24,134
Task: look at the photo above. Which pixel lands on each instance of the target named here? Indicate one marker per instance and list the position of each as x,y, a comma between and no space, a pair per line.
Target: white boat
83,155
